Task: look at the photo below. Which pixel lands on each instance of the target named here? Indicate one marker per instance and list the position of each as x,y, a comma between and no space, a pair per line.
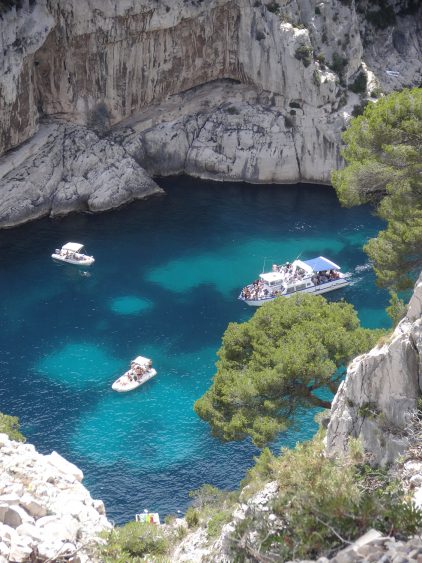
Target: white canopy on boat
73,246
140,360
271,277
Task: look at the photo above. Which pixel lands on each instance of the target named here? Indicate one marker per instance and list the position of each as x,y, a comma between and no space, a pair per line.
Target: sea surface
164,285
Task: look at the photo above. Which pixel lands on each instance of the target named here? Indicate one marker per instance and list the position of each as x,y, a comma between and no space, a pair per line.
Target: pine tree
383,149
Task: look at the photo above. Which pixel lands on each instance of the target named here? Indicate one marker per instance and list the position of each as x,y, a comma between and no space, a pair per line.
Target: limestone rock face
380,392
35,519
240,137
285,74
66,168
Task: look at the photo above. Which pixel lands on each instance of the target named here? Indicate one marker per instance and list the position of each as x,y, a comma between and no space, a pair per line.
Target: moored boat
318,275
140,372
73,253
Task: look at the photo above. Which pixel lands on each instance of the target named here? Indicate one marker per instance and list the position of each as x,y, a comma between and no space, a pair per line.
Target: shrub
342,101
273,7
10,425
376,93
217,522
132,541
316,78
325,504
383,17
359,109
397,309
320,58
317,11
368,410
338,63
360,84
304,54
232,110
192,517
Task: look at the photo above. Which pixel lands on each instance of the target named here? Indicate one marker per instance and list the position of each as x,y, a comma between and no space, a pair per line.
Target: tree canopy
276,362
384,167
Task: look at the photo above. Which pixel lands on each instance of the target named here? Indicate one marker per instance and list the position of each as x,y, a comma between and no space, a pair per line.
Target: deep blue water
164,285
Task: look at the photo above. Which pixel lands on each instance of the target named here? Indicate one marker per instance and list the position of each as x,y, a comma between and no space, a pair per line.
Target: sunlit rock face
381,391
46,514
245,90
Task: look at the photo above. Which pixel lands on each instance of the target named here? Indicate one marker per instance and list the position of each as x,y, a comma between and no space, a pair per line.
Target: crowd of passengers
69,254
136,371
257,289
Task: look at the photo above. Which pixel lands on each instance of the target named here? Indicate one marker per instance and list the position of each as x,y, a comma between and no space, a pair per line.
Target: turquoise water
164,285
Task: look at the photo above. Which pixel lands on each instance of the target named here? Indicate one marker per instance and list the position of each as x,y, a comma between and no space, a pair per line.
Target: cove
165,285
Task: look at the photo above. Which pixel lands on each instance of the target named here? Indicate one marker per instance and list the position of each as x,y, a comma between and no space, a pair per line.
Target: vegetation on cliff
277,362
322,504
10,425
383,154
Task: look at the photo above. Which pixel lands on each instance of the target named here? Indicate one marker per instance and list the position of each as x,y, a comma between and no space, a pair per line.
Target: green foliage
397,309
338,63
262,472
384,167
316,78
10,425
273,7
376,93
134,541
304,54
360,84
211,508
359,109
216,523
382,17
272,364
192,517
320,58
368,410
207,495
324,504
233,110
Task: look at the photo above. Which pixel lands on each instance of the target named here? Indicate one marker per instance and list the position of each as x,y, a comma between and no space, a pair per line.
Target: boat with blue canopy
318,275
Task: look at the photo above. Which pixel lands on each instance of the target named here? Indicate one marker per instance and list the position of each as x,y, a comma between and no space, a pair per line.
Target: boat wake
363,267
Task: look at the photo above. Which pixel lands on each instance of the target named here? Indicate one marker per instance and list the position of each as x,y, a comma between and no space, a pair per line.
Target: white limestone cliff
66,168
46,514
223,89
381,391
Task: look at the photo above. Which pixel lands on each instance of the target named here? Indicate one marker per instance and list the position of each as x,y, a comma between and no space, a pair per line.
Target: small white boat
318,276
140,372
73,253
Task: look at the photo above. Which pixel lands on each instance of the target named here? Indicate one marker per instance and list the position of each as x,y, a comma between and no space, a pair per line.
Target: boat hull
86,261
316,290
123,384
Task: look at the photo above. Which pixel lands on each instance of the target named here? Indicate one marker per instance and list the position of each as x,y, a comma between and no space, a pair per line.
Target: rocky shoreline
97,100
46,514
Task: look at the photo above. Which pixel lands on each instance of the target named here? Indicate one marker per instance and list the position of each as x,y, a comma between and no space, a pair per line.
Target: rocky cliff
380,392
246,90
46,514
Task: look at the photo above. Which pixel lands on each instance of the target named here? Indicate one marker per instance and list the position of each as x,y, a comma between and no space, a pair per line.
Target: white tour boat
318,276
140,372
73,253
